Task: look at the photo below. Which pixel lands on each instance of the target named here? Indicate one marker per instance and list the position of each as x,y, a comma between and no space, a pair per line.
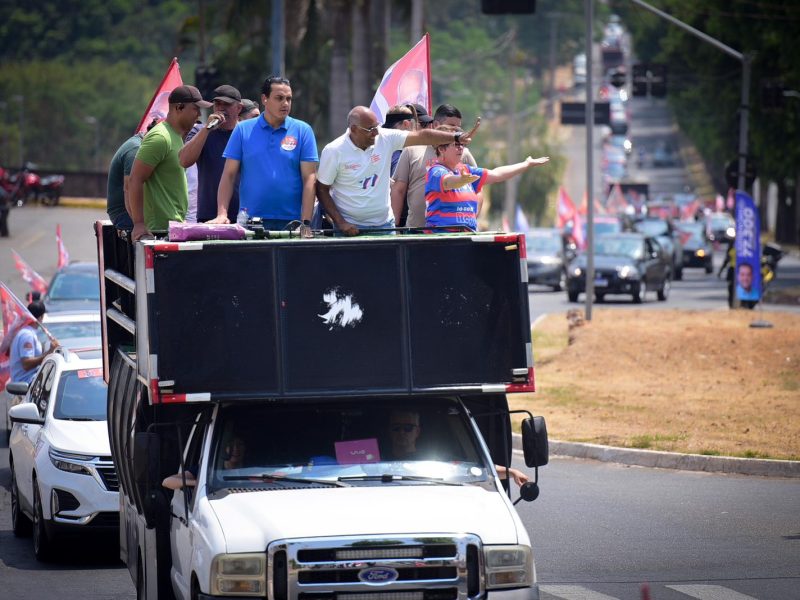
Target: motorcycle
48,192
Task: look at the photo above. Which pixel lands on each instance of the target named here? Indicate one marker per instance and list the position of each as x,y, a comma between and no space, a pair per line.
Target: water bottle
242,218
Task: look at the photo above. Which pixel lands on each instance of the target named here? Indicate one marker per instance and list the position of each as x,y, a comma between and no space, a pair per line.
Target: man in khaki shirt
412,168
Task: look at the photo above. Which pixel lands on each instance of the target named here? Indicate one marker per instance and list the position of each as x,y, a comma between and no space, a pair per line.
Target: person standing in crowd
158,189
399,117
408,186
26,351
277,157
119,172
353,180
451,187
205,149
191,179
249,110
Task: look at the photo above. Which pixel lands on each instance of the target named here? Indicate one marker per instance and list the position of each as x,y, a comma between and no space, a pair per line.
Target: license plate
601,283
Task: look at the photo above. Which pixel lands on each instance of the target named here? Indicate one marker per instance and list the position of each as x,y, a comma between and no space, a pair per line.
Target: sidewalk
73,202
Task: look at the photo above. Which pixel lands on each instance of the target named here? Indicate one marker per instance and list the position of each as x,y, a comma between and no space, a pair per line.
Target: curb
672,460
71,202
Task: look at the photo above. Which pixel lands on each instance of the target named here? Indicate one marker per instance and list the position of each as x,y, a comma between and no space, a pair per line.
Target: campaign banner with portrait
748,248
159,105
408,81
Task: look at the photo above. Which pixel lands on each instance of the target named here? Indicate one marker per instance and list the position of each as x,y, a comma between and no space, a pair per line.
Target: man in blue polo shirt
277,156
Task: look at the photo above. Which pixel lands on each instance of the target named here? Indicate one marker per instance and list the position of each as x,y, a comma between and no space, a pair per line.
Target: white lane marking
573,592
32,239
709,592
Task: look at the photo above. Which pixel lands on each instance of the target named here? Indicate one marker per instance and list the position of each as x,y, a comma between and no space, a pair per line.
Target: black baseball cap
248,105
393,119
188,94
228,94
422,113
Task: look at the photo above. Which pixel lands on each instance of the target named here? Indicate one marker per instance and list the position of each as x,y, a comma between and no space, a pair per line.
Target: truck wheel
20,523
43,545
572,296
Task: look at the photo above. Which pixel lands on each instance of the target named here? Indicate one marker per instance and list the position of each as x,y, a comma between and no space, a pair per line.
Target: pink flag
15,317
406,81
616,202
159,106
31,277
578,232
730,204
63,255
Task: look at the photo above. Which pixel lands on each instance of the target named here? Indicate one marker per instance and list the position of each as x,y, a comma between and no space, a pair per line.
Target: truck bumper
531,593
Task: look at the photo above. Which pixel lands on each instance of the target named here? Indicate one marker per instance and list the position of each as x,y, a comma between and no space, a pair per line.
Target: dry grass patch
683,381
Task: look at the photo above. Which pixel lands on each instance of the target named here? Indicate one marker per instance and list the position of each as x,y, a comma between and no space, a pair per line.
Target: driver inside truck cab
404,431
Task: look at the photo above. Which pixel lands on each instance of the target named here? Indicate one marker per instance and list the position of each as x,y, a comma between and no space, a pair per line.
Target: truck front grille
423,567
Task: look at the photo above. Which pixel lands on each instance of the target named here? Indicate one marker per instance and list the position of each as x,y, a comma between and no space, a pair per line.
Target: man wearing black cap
205,147
399,117
250,110
158,189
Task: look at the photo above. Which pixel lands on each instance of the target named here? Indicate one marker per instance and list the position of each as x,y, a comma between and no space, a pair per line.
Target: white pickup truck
334,409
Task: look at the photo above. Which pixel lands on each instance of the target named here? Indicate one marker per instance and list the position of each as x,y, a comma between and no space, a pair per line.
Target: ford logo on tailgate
378,575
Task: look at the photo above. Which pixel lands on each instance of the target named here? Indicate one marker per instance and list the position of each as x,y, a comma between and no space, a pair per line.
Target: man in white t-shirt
353,177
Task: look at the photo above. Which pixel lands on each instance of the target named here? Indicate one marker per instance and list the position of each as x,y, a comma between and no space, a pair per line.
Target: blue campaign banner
748,248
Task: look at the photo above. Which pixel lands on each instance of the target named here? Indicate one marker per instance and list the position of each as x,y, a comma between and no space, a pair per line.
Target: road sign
574,113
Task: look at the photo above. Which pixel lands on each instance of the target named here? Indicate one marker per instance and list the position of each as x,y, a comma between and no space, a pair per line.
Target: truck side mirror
146,471
534,442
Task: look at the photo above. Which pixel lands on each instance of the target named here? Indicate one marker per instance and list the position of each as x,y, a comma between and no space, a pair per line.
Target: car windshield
604,228
721,222
543,244
75,285
652,228
616,246
74,329
346,443
694,233
81,396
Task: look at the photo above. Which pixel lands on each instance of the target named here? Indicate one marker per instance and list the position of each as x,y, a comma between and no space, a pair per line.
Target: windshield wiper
267,477
389,478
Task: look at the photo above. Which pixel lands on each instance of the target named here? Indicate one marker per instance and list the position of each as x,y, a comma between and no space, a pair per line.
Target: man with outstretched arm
353,179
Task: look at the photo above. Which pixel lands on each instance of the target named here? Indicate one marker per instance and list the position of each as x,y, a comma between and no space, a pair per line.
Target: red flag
63,255
159,106
406,81
616,202
15,317
31,277
577,231
565,209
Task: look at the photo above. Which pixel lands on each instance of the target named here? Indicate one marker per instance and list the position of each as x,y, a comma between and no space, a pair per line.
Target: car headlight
239,574
730,232
508,566
628,272
700,253
550,260
71,463
577,271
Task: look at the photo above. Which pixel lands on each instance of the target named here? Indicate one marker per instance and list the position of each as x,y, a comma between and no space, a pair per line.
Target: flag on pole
159,106
748,248
15,317
408,81
31,277
616,202
63,255
565,208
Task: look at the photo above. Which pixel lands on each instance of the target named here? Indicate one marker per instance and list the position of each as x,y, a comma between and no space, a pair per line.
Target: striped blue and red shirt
446,208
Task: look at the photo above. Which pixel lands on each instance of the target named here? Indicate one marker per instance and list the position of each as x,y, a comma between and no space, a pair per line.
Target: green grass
566,396
649,441
790,381
709,452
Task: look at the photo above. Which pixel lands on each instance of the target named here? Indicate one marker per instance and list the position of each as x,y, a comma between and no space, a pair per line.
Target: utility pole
589,13
511,185
417,12
21,99
278,38
551,93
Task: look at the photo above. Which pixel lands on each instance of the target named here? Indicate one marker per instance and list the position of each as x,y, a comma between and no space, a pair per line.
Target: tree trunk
360,52
340,103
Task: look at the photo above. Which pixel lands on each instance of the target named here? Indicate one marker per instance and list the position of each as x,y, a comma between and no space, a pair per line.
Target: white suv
62,477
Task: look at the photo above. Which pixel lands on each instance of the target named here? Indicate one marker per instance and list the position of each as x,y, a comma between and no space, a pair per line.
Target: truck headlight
71,463
508,566
239,575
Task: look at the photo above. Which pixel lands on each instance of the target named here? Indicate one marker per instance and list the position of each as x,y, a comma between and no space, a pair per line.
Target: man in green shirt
157,187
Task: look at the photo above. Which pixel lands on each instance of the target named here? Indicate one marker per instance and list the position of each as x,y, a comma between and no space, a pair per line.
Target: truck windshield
367,442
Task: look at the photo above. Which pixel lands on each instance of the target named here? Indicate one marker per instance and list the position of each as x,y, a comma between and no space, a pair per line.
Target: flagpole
155,94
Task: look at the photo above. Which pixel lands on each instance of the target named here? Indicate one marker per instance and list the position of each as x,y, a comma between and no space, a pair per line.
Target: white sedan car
63,480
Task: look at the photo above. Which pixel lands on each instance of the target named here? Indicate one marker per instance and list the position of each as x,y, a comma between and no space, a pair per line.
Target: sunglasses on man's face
373,129
405,428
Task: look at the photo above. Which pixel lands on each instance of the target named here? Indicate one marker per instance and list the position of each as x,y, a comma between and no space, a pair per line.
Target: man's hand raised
466,138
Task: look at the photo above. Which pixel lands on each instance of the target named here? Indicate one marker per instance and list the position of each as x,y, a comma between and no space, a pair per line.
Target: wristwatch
306,222
457,138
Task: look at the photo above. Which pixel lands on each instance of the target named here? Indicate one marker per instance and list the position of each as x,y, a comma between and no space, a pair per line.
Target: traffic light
639,79
658,80
206,79
508,7
771,95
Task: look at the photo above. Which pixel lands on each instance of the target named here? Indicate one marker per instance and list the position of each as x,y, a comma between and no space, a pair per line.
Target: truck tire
20,523
43,543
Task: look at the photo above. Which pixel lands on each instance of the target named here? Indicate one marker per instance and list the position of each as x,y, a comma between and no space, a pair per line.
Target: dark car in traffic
664,232
698,253
720,227
74,288
624,263
546,263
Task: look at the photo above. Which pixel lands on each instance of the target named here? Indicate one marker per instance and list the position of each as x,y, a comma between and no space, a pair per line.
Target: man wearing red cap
157,186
